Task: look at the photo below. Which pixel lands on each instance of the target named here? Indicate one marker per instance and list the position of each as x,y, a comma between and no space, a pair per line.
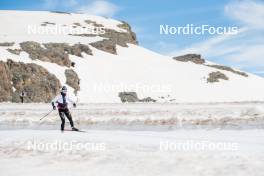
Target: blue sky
244,50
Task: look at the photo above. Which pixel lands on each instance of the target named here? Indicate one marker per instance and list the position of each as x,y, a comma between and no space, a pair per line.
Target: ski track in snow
138,116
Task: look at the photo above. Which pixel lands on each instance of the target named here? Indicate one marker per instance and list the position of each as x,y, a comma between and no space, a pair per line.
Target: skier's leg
69,117
61,113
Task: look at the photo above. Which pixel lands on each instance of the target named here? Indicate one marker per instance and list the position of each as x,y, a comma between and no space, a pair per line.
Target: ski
77,131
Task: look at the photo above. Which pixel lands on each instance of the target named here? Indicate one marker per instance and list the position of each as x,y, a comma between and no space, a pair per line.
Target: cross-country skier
62,101
22,96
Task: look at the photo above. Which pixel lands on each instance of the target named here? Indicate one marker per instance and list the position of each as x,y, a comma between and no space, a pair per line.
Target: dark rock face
148,99
195,58
53,55
7,44
93,23
54,52
14,51
47,23
37,82
113,38
128,97
72,79
105,45
221,67
84,35
59,12
120,38
76,49
131,97
5,83
215,76
77,24
132,38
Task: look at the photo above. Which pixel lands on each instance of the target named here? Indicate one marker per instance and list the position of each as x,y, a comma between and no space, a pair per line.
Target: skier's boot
74,129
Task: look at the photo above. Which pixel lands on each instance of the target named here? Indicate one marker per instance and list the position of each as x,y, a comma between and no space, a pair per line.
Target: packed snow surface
133,153
221,139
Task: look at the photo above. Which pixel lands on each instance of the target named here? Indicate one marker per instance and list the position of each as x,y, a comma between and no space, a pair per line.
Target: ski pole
46,115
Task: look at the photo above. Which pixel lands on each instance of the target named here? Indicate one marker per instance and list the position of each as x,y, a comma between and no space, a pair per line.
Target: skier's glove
53,105
74,105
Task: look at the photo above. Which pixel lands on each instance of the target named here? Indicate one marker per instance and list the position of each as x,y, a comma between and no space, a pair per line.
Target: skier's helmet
64,89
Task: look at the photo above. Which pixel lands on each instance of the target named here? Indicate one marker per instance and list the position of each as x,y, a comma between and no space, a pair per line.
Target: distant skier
62,101
22,96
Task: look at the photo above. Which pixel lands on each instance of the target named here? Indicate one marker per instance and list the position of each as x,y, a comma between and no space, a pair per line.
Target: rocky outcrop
132,37
105,45
93,23
5,83
53,55
195,58
216,76
221,67
148,99
77,24
113,37
59,12
7,44
54,52
125,25
72,79
37,82
131,97
76,49
14,51
47,23
84,35
120,38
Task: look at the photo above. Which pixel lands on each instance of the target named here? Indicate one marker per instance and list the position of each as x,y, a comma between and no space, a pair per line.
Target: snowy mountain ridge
108,67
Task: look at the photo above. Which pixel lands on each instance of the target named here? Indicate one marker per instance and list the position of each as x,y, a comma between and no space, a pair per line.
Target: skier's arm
54,101
72,102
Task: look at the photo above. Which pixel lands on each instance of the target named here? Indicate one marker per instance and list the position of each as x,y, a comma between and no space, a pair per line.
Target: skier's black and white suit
62,101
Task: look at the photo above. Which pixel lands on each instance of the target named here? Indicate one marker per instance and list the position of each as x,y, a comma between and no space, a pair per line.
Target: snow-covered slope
103,75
